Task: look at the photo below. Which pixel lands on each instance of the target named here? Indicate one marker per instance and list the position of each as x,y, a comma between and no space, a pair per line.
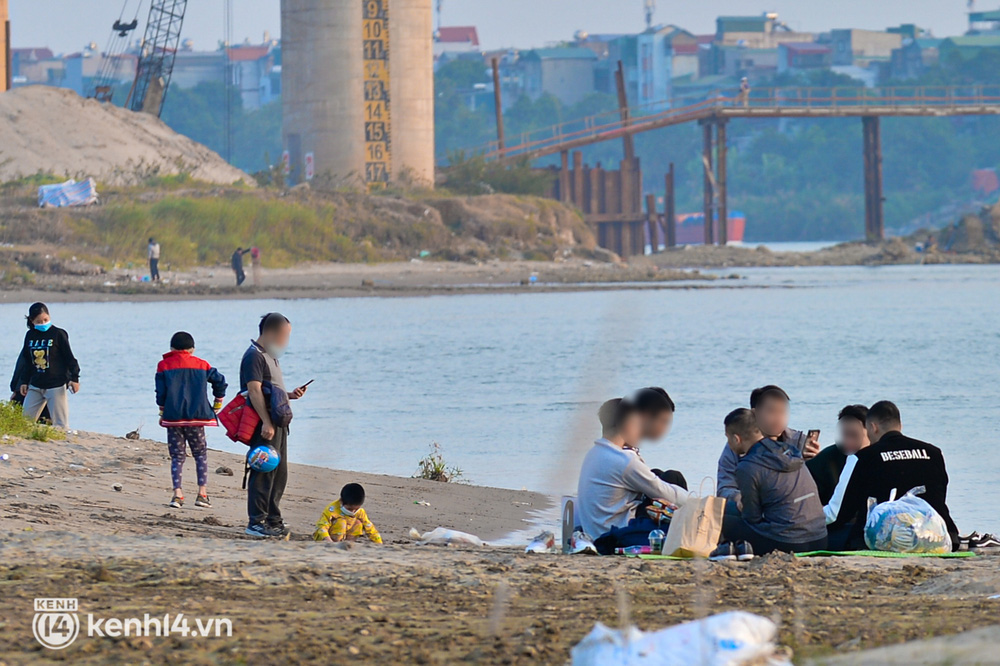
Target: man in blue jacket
781,507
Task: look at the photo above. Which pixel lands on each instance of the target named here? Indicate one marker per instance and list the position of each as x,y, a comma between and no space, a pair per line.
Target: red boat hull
691,228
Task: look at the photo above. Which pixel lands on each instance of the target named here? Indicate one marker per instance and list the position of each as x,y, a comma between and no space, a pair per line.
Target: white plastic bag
907,525
443,535
726,639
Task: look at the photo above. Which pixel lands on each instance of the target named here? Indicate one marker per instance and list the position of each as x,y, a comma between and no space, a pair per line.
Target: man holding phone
770,407
260,366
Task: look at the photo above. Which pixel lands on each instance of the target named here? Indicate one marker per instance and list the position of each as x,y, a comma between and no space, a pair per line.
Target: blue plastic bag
906,525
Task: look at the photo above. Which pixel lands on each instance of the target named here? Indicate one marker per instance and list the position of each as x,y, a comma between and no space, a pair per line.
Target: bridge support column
564,195
874,200
709,185
723,204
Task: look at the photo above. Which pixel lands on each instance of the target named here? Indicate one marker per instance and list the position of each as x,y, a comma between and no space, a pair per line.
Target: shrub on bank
15,424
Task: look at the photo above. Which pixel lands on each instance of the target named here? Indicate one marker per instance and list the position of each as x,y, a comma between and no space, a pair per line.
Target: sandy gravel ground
65,533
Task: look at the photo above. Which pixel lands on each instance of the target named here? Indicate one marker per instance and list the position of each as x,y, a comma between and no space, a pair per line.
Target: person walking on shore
181,378
153,253
259,370
237,264
47,368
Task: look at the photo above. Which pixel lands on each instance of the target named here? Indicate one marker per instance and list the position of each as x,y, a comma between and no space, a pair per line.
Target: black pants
734,528
264,489
240,276
154,269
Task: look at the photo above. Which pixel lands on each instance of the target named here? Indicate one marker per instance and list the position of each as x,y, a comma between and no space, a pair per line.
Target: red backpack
240,419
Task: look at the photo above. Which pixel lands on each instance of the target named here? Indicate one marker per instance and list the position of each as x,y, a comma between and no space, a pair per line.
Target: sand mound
54,130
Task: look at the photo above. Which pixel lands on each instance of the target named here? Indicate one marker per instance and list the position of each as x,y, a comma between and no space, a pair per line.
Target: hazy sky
67,25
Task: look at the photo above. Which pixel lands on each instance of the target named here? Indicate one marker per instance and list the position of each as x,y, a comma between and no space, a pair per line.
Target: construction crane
156,58
108,76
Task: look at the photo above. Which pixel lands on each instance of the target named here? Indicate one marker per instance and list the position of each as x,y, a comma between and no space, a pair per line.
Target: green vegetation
15,424
205,231
433,467
474,175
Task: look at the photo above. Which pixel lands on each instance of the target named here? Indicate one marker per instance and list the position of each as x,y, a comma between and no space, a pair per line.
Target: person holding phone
770,407
259,367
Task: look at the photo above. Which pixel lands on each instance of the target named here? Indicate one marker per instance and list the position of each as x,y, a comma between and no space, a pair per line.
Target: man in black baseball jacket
893,461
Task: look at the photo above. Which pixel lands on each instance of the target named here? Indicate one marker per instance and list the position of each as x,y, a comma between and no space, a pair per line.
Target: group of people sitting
782,492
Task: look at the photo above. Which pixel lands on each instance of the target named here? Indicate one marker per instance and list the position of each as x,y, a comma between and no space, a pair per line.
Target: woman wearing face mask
48,368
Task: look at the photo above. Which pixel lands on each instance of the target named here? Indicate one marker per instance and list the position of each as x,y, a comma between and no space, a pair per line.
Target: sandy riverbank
331,280
64,532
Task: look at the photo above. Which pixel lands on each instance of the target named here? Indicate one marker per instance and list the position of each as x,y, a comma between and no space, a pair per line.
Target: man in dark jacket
781,507
893,462
828,466
770,407
237,263
259,367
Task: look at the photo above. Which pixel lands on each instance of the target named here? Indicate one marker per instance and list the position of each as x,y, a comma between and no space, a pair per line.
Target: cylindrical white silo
325,102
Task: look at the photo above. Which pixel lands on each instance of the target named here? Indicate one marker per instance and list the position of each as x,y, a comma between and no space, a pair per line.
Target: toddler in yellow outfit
345,519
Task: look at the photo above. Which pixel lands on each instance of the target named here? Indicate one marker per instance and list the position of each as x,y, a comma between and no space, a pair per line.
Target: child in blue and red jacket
185,410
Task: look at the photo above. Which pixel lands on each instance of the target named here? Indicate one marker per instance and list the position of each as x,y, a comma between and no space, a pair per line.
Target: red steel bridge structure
713,114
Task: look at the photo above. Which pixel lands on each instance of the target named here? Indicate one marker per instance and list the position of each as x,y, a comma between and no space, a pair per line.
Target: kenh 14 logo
56,624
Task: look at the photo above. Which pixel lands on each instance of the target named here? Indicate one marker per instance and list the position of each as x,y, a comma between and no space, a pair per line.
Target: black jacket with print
47,360
900,463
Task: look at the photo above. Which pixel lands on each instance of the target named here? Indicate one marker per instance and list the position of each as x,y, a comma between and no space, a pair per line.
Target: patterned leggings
178,439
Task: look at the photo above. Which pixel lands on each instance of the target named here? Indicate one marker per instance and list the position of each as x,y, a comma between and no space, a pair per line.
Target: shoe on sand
203,502
259,530
985,541
581,543
177,502
726,552
744,551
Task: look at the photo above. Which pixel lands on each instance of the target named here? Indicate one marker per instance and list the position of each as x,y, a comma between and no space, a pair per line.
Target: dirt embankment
54,130
64,532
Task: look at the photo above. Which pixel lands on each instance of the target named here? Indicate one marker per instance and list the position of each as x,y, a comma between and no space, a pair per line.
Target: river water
508,384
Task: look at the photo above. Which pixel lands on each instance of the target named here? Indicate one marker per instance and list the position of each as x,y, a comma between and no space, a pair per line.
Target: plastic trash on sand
727,639
907,525
446,536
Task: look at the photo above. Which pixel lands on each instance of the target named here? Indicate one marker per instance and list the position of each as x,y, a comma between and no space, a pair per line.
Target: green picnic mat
834,553
878,553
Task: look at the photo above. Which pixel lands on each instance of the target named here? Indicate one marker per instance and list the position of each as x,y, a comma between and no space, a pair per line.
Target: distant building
764,31
984,22
863,47
255,70
799,57
36,65
650,61
252,67
967,47
456,39
566,72
914,58
80,70
737,61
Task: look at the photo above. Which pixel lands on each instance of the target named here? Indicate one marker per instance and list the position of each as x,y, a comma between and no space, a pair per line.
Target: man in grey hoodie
781,506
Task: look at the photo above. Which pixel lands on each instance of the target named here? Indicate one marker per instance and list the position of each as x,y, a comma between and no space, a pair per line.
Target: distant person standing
153,253
47,367
260,373
255,265
237,264
744,92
